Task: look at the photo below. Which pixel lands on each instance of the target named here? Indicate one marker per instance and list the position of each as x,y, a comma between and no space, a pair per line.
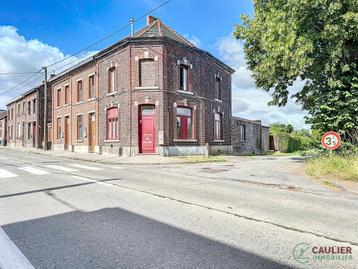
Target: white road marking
86,167
94,181
62,168
34,170
10,256
6,174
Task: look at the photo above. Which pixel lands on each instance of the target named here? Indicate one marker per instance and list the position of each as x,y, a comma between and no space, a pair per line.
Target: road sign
331,140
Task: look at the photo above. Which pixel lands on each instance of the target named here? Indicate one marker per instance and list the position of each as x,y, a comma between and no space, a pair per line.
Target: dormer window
184,78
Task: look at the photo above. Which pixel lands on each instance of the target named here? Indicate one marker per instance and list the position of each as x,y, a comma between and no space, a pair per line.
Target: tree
312,40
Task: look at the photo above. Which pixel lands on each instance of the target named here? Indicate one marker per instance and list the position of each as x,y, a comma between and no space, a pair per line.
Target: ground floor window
80,128
218,130
112,124
184,123
242,132
59,129
28,131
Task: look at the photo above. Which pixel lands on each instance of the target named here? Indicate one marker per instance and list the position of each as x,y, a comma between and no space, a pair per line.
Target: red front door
147,129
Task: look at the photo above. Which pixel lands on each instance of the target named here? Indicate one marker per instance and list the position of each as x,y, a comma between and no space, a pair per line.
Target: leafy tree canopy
312,40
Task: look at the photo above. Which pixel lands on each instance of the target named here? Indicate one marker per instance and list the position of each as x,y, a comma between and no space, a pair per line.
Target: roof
24,95
3,114
154,28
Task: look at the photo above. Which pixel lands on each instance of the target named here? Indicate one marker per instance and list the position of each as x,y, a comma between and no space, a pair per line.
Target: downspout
130,101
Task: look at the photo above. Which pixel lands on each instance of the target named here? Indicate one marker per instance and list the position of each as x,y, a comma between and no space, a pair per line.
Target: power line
17,73
111,34
22,83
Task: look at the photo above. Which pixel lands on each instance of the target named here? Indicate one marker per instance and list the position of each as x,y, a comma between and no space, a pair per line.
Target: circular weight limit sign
331,140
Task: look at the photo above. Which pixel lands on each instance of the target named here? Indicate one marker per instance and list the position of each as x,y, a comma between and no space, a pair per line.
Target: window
58,97
91,88
183,76
23,107
18,109
18,130
59,129
218,132
218,89
112,124
34,106
147,73
80,128
29,108
184,123
79,91
67,94
29,131
242,132
111,80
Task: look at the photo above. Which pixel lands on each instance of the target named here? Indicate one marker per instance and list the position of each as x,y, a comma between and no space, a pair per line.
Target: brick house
25,119
3,127
249,136
153,93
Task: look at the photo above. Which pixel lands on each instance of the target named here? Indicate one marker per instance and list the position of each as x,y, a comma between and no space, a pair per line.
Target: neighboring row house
154,93
3,127
25,119
151,93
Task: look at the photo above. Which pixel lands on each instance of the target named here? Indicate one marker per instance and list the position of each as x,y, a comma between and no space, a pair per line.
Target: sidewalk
112,159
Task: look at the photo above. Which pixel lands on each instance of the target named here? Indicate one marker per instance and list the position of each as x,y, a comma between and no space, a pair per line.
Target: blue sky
36,33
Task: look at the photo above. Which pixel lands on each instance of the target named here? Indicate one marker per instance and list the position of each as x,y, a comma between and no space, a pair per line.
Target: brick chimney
150,19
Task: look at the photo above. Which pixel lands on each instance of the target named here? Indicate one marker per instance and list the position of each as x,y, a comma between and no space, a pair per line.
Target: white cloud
20,55
251,102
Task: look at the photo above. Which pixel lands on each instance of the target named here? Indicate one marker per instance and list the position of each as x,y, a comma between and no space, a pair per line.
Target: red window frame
184,123
112,123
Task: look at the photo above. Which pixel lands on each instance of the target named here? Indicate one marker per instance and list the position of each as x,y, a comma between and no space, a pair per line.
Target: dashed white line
10,256
94,181
62,168
33,170
6,174
86,167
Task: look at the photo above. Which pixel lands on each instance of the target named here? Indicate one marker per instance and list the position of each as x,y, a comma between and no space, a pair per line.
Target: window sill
79,102
186,92
243,141
79,141
185,140
66,105
111,141
91,99
111,93
58,107
218,100
219,141
147,88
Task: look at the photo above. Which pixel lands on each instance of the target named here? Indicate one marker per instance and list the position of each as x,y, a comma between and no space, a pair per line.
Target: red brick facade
142,71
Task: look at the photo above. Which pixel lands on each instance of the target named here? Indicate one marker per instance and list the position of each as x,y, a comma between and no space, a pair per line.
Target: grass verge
203,159
344,168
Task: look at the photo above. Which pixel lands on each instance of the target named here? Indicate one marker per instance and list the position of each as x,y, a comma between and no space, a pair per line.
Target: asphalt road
62,213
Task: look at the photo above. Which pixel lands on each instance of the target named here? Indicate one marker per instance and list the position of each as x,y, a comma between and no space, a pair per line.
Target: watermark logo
301,253
304,253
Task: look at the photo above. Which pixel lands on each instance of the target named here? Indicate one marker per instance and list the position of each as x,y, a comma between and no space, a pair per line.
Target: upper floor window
29,107
79,91
218,88
34,106
147,73
111,80
112,124
23,107
242,132
218,130
58,97
91,87
67,94
184,123
80,128
184,77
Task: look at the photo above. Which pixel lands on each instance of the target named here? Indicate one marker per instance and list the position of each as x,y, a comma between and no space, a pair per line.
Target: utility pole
45,108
